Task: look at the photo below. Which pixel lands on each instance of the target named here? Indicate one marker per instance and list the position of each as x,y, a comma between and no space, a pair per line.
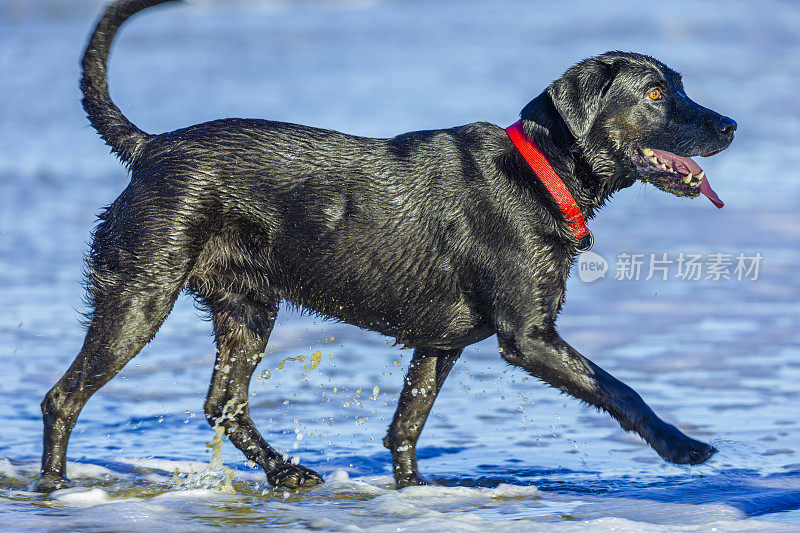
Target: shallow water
721,359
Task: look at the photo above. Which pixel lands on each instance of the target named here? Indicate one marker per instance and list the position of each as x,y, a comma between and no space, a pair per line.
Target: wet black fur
436,238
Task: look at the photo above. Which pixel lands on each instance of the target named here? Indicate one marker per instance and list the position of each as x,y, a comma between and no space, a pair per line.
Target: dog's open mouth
674,174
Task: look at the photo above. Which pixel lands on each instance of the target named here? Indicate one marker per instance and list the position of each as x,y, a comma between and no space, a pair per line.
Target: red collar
548,176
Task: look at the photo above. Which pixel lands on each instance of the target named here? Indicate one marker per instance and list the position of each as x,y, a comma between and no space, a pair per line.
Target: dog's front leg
426,374
544,354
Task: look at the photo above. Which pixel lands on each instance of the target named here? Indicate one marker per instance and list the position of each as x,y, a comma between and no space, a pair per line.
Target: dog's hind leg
128,310
426,374
242,327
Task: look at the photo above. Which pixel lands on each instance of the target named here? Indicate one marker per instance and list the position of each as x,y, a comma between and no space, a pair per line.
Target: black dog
436,238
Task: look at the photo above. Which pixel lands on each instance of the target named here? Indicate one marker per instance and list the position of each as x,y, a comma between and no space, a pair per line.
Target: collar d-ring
586,243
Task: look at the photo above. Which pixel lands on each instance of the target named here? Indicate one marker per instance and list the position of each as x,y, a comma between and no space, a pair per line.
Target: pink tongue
706,189
685,165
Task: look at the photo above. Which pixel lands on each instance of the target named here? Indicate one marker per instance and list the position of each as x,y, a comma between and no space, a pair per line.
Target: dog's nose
726,126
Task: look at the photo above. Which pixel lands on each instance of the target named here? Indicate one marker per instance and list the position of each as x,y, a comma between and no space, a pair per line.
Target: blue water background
721,359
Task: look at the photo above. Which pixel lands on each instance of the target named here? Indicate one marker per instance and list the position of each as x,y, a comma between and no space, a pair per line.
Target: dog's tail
124,138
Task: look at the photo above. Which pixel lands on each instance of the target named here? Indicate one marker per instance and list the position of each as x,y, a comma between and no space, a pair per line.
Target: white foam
89,471
191,494
431,492
80,497
377,507
338,476
341,482
7,469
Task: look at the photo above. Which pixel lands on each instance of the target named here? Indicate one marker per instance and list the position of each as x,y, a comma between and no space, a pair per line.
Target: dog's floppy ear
578,95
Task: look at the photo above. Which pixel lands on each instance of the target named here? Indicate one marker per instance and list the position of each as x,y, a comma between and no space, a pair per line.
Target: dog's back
386,234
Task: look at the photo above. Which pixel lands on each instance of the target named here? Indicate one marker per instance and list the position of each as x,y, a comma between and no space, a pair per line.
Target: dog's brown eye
655,94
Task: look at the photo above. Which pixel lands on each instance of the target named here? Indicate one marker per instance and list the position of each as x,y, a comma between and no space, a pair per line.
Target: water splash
215,476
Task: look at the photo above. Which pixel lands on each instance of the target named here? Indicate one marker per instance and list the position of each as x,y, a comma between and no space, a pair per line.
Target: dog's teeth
701,175
695,184
687,178
648,152
663,166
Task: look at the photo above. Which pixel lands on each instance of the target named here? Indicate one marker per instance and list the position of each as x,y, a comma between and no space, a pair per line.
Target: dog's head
630,116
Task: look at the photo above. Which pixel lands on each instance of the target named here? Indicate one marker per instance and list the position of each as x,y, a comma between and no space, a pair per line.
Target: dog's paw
410,480
294,477
677,448
48,483
692,453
